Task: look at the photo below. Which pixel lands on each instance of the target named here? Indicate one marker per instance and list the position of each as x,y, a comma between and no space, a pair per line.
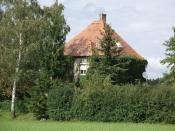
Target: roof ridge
79,45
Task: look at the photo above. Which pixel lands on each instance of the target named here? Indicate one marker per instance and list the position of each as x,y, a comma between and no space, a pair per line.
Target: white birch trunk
15,78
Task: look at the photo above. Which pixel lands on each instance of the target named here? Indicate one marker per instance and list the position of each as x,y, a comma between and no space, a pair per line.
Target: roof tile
83,43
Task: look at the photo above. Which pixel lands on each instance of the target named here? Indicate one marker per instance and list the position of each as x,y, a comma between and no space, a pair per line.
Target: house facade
82,45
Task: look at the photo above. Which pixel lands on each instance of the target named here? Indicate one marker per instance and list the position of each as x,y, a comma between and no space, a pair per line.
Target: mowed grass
26,123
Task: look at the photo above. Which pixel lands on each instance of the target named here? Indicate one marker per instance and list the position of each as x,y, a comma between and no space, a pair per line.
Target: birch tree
19,26
16,76
32,42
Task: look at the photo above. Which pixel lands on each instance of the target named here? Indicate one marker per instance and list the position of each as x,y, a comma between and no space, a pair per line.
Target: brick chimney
102,16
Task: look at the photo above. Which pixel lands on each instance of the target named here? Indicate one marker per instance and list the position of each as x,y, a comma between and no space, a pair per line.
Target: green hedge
21,106
127,103
60,102
5,105
122,69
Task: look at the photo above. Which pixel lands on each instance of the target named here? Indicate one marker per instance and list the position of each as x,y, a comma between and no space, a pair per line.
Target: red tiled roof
84,42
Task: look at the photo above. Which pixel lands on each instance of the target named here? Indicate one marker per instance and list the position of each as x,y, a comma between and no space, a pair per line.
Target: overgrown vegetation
33,56
102,101
60,101
121,69
33,61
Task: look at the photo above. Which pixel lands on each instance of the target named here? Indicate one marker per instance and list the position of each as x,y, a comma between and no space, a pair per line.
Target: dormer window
119,45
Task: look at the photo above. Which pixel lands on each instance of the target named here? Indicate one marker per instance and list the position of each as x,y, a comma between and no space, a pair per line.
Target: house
82,45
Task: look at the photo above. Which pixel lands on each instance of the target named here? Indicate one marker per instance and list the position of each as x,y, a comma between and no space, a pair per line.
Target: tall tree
108,44
120,69
19,27
170,57
107,66
31,43
53,65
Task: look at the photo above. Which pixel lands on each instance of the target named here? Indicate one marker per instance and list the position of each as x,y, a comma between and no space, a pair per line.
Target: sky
144,24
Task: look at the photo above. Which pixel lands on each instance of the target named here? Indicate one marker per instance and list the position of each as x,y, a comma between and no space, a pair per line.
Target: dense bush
98,100
20,106
38,96
5,105
129,103
1,95
60,102
122,69
135,69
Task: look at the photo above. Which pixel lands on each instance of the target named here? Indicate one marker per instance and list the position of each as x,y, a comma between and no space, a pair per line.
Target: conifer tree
112,64
107,64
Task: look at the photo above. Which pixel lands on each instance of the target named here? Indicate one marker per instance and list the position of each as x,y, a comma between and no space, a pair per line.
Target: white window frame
84,65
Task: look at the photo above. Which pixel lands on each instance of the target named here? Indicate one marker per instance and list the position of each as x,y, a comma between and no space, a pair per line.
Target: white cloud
46,2
155,69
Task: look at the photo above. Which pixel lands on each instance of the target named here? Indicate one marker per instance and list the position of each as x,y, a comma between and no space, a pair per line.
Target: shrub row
21,106
60,102
101,102
5,105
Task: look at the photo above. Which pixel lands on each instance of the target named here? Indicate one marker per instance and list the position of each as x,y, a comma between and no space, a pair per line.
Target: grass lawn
26,123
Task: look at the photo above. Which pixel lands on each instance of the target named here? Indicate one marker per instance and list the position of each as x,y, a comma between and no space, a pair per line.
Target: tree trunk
16,78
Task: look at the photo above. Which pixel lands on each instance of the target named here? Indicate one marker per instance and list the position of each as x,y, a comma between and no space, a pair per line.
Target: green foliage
135,67
120,69
52,64
60,101
38,96
126,103
169,79
123,69
99,100
25,18
20,106
170,59
2,95
170,54
5,105
43,33
108,45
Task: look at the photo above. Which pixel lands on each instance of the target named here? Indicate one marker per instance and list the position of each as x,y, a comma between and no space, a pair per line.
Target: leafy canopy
170,58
